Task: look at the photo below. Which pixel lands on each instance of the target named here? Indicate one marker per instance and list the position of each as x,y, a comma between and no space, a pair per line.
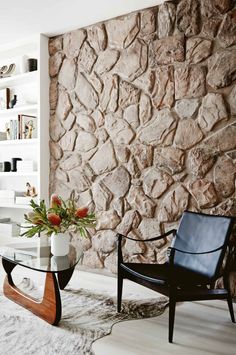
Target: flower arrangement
61,217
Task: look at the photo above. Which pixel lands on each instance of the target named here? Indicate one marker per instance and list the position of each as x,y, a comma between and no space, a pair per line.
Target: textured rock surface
186,108
163,87
86,58
118,181
143,122
122,31
170,159
212,111
86,93
189,82
173,205
222,68
187,134
232,101
197,49
213,8
166,19
201,160
167,50
67,75
159,128
204,193
188,17
118,129
106,61
133,61
224,176
227,31
156,182
104,160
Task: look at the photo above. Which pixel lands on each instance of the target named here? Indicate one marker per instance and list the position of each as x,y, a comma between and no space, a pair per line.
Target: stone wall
143,122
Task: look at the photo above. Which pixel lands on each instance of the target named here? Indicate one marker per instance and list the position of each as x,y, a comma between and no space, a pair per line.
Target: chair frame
173,291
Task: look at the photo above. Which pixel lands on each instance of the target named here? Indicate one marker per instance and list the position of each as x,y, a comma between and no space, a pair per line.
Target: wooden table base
49,308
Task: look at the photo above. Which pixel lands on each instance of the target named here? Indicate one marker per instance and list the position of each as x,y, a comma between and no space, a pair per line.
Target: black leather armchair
195,263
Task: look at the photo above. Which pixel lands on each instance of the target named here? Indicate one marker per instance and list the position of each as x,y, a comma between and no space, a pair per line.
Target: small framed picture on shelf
4,98
27,126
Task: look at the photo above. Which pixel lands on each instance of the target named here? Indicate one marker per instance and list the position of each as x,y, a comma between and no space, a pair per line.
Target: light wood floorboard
201,328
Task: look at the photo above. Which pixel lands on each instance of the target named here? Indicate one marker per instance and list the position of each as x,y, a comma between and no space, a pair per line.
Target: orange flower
55,201
81,212
54,219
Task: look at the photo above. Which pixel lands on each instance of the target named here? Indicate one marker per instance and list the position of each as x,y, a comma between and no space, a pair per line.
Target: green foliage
42,219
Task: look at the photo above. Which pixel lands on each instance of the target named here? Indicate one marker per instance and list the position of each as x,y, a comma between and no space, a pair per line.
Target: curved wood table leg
64,277
48,309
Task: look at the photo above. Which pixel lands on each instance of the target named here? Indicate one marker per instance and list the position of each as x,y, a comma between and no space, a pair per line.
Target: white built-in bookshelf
32,90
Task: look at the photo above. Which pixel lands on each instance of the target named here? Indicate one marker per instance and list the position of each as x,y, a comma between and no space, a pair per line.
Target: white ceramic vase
60,244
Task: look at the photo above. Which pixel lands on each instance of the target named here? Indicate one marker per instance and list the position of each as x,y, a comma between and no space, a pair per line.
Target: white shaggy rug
86,317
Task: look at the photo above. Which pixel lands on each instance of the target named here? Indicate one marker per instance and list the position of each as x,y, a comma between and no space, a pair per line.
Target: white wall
19,19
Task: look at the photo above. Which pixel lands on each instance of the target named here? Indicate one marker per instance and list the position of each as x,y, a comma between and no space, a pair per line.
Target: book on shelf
27,126
24,127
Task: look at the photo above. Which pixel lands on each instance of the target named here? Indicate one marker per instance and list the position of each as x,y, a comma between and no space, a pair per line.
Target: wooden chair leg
172,305
230,305
119,290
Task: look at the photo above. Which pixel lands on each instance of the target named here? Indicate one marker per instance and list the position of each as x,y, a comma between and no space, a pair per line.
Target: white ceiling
21,18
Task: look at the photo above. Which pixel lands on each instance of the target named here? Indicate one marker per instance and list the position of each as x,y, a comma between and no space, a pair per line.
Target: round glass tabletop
36,257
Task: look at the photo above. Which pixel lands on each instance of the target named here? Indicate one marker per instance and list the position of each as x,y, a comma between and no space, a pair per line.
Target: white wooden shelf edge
17,173
19,141
19,110
22,207
18,79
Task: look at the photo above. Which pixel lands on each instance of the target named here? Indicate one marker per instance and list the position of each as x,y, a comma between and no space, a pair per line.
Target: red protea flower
54,219
55,201
81,212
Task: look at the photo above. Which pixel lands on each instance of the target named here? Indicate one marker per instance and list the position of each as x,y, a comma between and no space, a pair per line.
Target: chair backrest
199,232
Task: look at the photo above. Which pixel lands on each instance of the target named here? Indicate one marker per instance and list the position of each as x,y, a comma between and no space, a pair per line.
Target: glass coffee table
58,269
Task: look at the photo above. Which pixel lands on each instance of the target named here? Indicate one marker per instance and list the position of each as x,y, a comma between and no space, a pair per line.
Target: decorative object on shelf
13,101
4,98
7,70
14,163
27,126
3,136
8,133
5,166
57,221
23,64
32,64
31,190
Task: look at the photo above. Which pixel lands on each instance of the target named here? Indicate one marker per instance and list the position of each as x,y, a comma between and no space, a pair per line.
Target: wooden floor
200,328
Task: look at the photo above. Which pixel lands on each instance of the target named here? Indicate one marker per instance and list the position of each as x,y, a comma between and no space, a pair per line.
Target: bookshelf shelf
18,173
19,79
18,142
19,110
21,207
